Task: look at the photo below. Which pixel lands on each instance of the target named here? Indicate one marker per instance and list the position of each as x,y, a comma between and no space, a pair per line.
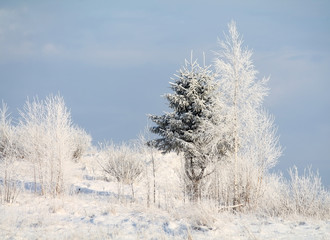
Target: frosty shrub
121,162
301,195
45,135
8,155
9,145
81,143
308,196
274,197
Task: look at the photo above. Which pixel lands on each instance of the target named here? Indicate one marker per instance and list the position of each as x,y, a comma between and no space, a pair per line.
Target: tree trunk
154,177
235,200
196,191
194,178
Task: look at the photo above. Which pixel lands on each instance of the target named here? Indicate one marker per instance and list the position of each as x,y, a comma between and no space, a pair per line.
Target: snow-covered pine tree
183,130
254,140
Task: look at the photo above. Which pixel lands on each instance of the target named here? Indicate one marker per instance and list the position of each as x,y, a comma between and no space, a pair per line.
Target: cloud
50,49
14,43
294,73
7,22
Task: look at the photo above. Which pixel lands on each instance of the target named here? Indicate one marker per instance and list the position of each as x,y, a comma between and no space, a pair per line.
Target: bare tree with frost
254,140
9,152
82,143
149,153
122,163
6,133
184,130
45,132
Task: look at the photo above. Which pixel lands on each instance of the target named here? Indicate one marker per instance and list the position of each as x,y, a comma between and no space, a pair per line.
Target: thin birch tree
242,95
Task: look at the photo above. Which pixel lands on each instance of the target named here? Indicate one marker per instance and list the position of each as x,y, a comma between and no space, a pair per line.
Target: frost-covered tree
150,166
9,152
193,102
82,143
6,132
253,135
45,135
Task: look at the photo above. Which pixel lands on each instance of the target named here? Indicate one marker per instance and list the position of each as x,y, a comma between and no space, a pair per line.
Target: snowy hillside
91,210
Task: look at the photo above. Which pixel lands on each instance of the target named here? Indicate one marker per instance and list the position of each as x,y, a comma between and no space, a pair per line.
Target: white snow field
91,210
92,217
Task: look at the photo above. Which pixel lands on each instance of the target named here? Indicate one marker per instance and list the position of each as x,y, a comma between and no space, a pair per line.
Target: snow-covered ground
94,217
92,211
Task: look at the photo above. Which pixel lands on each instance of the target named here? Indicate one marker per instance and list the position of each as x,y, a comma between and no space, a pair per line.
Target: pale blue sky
111,60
